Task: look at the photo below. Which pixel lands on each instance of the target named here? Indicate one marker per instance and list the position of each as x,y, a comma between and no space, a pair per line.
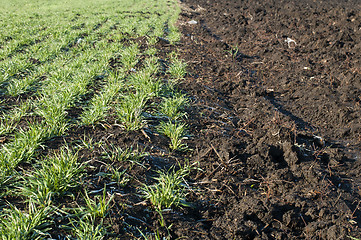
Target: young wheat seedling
130,56
176,133
169,190
86,228
120,177
56,177
5,182
152,40
176,70
150,51
30,225
118,154
6,126
173,35
23,147
151,65
130,111
144,83
171,107
98,207
19,86
99,105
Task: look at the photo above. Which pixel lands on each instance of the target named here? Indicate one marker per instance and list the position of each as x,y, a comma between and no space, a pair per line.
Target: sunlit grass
72,65
173,106
30,224
97,207
176,133
56,177
130,109
176,70
169,189
86,228
100,104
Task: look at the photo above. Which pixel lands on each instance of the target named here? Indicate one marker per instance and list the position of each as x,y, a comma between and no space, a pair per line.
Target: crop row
96,65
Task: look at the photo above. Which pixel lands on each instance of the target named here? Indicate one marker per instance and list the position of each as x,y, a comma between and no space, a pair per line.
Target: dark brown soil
278,125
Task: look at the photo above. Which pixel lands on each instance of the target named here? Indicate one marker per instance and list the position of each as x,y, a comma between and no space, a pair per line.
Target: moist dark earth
275,124
277,118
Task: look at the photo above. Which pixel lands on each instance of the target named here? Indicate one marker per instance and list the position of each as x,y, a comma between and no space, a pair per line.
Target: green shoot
234,51
128,154
151,65
152,40
56,177
120,177
144,83
5,182
30,225
98,207
130,56
6,126
174,35
151,51
153,236
23,147
169,190
130,111
19,86
176,133
18,112
176,70
87,142
87,229
171,107
99,105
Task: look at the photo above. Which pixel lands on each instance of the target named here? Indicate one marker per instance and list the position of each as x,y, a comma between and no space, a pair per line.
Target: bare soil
277,113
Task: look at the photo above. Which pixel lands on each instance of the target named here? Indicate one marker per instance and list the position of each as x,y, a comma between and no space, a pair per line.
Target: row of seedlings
54,176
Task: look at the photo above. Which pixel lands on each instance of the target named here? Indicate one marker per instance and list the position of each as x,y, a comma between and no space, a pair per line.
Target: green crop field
78,78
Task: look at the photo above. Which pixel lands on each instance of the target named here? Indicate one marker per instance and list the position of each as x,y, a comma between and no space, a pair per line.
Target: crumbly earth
277,118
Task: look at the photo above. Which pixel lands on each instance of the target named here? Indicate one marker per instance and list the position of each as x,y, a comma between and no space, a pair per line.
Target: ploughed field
281,84
128,120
